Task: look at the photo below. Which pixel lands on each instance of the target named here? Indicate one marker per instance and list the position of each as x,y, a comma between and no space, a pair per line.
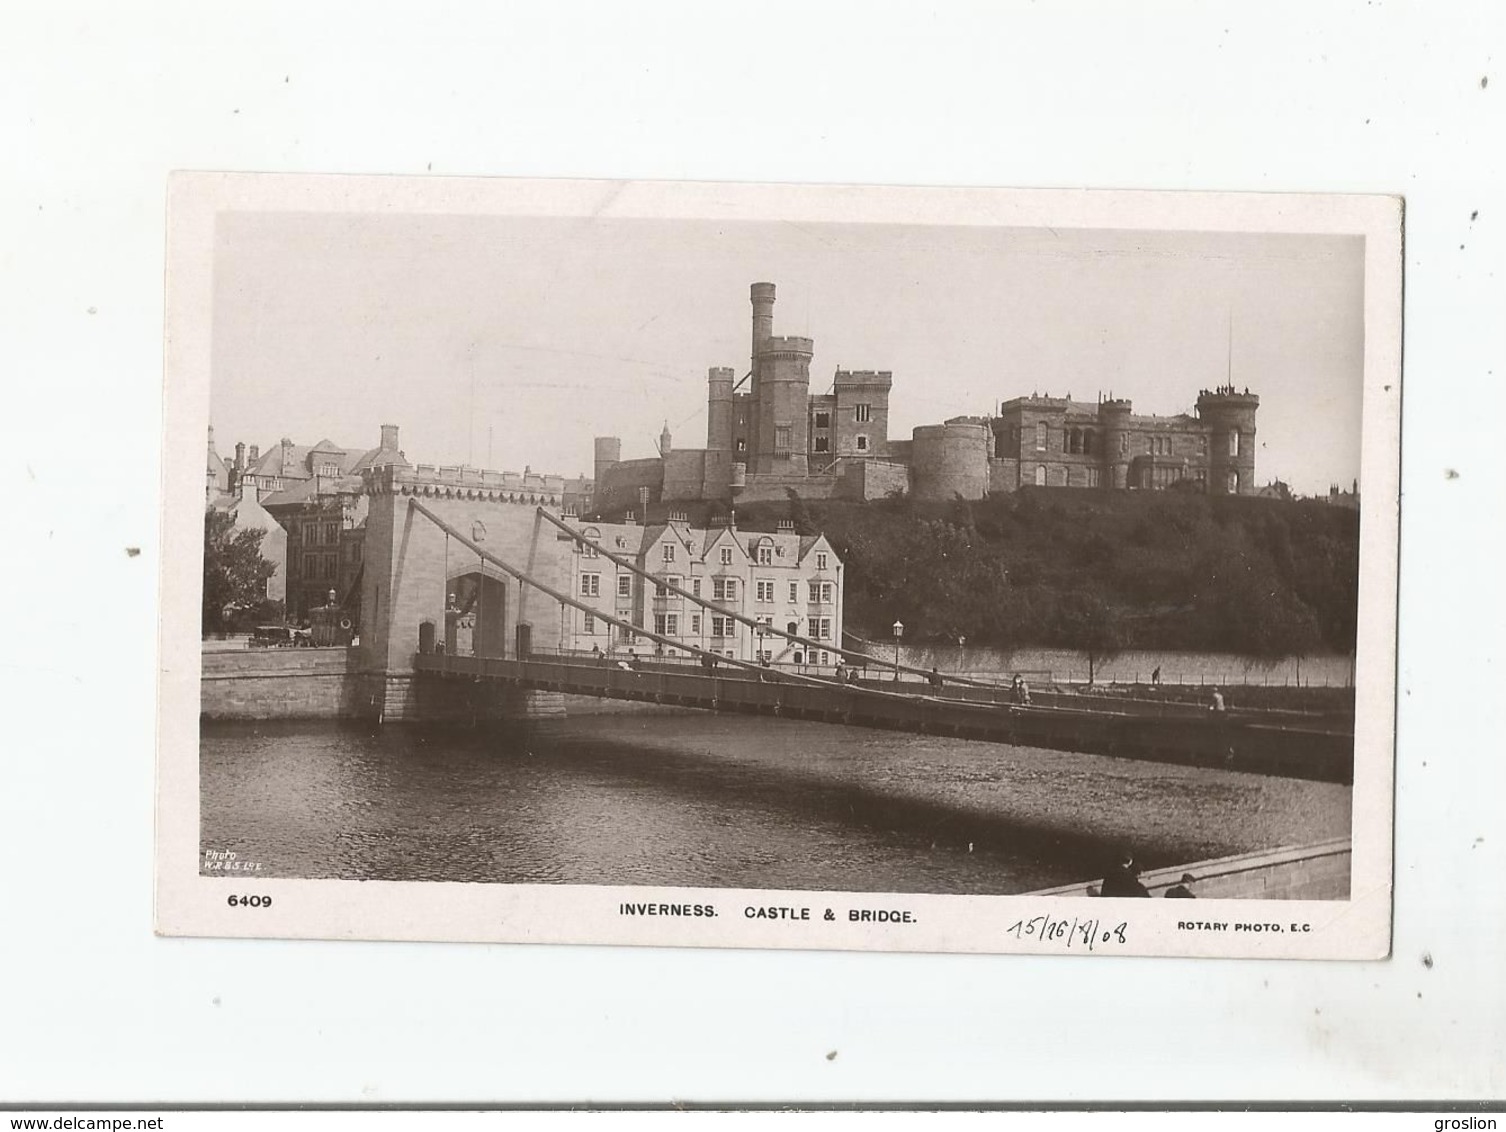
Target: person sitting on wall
1123,879
1181,891
1218,701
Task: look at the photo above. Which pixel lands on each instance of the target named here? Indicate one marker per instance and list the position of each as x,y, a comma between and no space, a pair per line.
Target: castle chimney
240,456
389,437
255,452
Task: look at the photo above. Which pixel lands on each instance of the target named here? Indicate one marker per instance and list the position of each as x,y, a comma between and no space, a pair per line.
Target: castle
768,434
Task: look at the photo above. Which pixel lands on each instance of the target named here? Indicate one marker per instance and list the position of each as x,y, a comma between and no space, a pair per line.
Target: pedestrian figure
1024,693
599,656
852,675
936,680
1181,891
1155,676
1218,701
1123,879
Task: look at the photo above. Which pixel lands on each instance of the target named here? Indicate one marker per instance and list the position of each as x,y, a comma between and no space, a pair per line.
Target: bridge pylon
411,569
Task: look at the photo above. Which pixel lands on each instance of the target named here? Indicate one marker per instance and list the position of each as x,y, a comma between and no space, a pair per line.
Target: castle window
1202,445
1087,442
1233,477
1074,441
1233,443
822,445
1040,436
1093,478
1124,444
742,445
823,420
862,413
1040,475
862,444
782,438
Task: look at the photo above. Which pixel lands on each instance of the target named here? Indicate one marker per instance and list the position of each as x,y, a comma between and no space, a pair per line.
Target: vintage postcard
779,566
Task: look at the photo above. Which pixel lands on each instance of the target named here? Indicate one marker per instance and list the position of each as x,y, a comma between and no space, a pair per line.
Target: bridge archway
476,613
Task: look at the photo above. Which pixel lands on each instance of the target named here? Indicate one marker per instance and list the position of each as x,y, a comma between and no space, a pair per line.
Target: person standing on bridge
1218,701
937,681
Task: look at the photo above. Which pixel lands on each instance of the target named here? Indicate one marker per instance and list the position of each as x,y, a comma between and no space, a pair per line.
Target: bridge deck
1252,743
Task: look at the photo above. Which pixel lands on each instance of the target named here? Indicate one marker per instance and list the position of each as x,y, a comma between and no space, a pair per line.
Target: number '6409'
250,902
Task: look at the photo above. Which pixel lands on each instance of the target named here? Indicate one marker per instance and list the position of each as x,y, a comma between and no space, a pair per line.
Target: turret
666,441
608,453
1114,415
719,415
1229,417
762,297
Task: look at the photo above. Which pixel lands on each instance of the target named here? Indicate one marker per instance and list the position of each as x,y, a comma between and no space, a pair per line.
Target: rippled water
708,800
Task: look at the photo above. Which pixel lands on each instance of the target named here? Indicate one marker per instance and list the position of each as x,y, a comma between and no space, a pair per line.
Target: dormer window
765,554
726,556
669,552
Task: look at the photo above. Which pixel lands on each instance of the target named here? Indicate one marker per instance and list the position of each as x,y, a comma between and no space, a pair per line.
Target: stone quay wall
1301,872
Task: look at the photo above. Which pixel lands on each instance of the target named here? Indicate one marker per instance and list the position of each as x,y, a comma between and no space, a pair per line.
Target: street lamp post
899,631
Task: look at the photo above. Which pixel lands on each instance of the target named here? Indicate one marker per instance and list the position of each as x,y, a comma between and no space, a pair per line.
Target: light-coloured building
780,578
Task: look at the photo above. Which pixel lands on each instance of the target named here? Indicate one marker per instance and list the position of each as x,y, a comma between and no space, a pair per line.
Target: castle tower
666,441
1229,418
608,452
1114,415
719,383
779,425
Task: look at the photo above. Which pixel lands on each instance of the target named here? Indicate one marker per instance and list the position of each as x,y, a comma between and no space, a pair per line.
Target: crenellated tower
1229,417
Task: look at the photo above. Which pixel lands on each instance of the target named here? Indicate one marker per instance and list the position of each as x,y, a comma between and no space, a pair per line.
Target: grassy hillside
1096,571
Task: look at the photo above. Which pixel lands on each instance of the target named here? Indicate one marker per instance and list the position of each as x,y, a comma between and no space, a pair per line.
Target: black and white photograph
742,566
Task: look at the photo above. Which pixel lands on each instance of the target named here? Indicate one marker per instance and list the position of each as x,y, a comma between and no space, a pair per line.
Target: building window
1233,478
818,628
723,589
1124,444
820,592
669,552
794,591
782,438
1089,442
695,624
1040,436
823,420
659,590
1040,475
862,413
765,591
726,556
742,445
624,585
862,443
723,627
765,554
695,587
308,566
667,624
590,585
1233,443
1202,445
821,444
821,560
1093,478
588,624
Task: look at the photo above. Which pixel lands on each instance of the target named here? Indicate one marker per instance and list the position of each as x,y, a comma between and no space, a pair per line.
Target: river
704,800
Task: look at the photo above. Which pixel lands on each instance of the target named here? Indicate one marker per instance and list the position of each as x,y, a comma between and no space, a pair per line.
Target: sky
510,342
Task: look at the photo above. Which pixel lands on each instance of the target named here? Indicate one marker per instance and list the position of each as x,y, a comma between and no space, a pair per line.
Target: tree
235,573
1092,628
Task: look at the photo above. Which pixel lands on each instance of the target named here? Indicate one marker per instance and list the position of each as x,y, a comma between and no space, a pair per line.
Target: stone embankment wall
1303,872
253,684
279,684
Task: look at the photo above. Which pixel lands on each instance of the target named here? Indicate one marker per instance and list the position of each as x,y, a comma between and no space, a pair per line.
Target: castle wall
684,474
1003,475
863,480
618,488
775,487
